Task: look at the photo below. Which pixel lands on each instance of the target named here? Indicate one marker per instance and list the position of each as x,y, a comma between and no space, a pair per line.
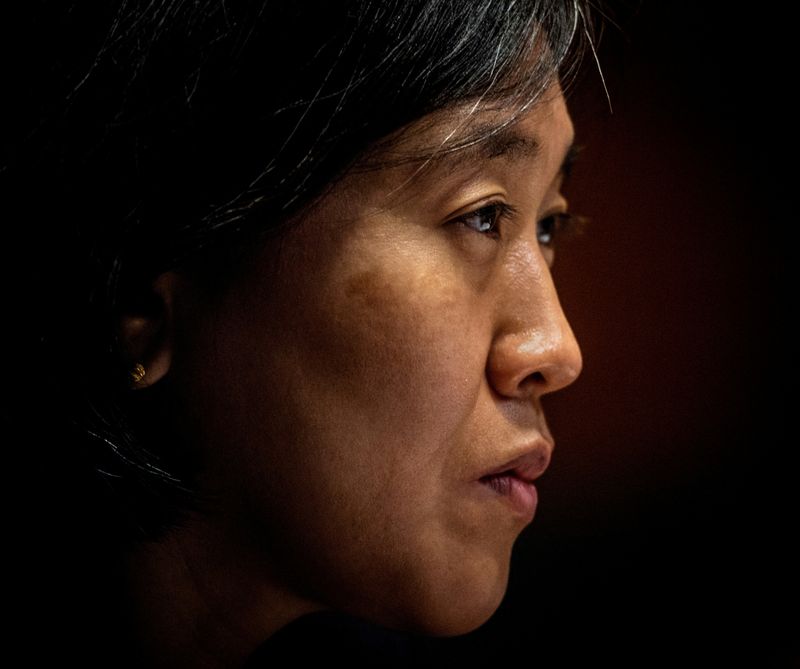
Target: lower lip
521,495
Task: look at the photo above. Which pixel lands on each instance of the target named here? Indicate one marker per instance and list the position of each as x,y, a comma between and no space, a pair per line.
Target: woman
306,301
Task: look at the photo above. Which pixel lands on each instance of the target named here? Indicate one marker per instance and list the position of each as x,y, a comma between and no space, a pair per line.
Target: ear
146,330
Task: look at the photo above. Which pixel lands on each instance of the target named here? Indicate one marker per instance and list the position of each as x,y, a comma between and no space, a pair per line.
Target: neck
200,599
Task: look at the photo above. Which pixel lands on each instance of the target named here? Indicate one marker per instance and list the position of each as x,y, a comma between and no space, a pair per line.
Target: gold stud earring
138,372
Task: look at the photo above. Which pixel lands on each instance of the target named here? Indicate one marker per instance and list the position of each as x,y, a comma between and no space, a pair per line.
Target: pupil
485,218
546,230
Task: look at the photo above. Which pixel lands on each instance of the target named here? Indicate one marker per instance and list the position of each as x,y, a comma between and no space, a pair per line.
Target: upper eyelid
561,206
507,209
484,203
498,228
503,209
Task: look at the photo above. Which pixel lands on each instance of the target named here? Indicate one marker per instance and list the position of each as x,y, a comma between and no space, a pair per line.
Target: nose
534,351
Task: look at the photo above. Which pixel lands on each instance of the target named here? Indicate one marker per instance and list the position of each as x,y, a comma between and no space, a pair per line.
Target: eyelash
556,224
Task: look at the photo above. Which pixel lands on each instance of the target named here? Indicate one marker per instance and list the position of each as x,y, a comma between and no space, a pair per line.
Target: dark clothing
328,638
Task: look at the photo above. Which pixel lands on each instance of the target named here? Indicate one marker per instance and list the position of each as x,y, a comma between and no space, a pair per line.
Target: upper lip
530,463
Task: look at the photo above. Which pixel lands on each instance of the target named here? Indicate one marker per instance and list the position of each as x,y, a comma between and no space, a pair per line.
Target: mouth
521,494
513,481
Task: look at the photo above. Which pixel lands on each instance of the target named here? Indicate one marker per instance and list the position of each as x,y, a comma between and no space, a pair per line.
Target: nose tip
535,361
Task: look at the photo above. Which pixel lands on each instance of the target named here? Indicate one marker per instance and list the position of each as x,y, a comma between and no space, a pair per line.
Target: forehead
452,146
469,134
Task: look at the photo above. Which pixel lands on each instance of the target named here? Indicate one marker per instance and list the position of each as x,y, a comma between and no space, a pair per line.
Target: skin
347,394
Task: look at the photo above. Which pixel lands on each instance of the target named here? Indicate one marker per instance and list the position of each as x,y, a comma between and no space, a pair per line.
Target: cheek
409,341
350,404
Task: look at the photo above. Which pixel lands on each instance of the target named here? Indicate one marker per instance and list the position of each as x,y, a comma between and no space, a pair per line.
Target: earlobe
145,332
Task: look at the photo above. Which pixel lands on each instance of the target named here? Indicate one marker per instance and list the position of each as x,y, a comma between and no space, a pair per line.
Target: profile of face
366,395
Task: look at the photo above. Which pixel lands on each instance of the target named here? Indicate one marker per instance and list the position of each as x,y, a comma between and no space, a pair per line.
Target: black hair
146,134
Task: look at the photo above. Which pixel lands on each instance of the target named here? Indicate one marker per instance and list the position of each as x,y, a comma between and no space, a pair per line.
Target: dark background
663,531
665,521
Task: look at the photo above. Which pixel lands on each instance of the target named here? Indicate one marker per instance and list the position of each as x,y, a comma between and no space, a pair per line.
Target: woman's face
359,383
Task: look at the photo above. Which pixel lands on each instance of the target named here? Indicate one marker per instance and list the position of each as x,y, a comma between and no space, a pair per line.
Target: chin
461,617
458,608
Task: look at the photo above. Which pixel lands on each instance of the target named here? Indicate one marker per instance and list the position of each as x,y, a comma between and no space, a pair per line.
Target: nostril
536,378
532,383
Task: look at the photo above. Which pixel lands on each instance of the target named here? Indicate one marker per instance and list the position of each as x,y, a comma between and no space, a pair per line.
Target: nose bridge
534,350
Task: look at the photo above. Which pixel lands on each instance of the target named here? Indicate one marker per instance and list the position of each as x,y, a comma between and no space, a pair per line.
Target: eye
553,226
486,220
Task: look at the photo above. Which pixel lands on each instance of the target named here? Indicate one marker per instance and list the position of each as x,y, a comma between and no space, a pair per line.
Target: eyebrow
569,159
506,144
